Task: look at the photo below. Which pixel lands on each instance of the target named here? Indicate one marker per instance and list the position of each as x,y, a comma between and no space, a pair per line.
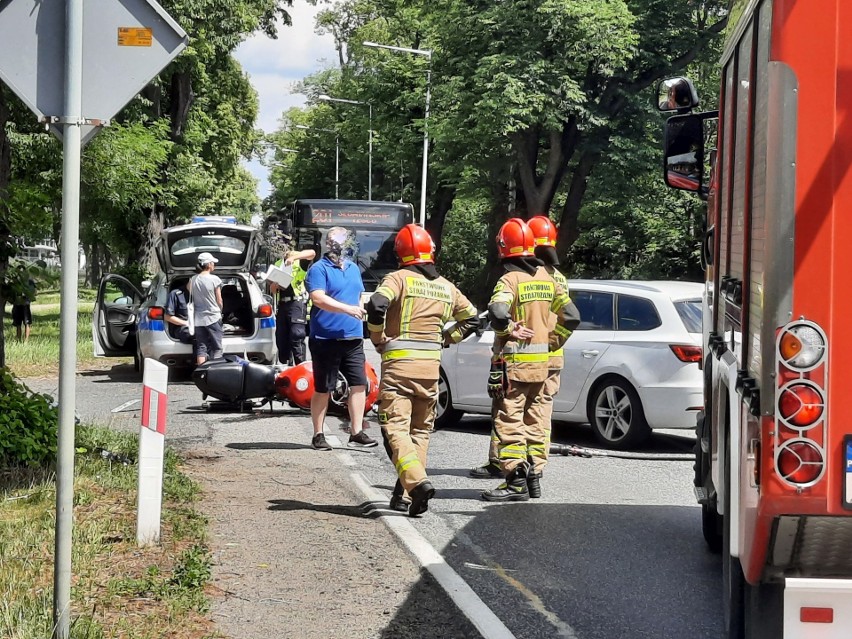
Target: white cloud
275,66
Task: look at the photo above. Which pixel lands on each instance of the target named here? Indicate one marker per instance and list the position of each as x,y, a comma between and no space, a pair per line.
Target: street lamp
327,98
428,54
336,154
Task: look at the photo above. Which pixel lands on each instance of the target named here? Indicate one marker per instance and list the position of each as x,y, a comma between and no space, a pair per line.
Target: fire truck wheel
616,415
711,521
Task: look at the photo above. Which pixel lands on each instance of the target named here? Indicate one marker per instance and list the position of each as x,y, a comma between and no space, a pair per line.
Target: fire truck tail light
801,347
801,405
800,462
809,614
686,353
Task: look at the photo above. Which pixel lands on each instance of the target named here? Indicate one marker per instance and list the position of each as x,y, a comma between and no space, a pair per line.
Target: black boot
534,484
420,496
491,470
513,489
398,501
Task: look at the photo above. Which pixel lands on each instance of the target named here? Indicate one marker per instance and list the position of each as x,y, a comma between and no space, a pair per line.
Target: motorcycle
234,380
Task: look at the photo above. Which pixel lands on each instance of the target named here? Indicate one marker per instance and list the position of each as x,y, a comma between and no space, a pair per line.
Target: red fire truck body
774,454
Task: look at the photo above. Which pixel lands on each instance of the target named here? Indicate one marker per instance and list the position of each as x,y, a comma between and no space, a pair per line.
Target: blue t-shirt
344,285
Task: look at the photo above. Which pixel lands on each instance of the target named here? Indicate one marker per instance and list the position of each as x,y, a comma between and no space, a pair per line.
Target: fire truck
774,442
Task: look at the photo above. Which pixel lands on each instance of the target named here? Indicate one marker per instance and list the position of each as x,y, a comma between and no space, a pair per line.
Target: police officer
544,240
406,317
520,311
291,317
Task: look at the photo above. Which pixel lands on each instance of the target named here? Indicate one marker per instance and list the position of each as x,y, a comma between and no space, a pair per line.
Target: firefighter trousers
536,456
407,416
519,421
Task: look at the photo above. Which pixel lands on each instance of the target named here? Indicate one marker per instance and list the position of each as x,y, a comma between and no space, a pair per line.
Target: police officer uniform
291,317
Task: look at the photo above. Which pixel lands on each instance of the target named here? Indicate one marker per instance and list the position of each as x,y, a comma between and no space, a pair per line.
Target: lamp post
336,154
327,98
427,53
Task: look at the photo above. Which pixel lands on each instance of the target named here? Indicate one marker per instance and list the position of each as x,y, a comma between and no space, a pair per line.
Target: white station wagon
631,366
129,323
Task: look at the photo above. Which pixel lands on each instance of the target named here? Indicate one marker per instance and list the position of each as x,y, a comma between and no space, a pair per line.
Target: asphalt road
613,550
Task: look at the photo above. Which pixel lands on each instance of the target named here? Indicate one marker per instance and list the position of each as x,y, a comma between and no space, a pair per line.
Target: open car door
114,317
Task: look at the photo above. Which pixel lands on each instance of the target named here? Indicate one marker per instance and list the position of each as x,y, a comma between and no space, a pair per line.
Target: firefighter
520,311
406,318
291,317
544,239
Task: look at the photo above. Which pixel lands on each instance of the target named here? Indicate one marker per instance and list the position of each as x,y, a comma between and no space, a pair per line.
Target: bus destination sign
360,216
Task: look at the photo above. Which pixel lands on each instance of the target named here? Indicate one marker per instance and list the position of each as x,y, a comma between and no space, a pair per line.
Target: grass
118,589
39,357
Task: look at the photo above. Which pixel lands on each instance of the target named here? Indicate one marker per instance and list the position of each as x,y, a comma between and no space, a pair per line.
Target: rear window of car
230,251
690,314
636,314
595,310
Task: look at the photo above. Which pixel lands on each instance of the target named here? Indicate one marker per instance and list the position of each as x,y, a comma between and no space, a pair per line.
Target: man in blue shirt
336,342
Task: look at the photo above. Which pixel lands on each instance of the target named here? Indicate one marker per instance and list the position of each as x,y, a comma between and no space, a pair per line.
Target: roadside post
74,90
152,436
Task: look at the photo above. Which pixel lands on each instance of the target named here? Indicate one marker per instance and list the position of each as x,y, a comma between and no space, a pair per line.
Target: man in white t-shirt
206,297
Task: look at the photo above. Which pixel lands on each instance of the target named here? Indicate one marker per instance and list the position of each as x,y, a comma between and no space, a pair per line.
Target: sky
274,67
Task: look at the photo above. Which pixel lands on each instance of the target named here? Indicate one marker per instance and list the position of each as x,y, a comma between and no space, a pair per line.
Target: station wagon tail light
686,353
800,404
156,313
801,347
800,462
264,310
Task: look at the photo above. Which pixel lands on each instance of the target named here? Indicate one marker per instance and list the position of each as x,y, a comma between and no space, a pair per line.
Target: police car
127,322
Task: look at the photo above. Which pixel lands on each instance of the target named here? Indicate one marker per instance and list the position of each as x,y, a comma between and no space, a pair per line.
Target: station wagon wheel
445,414
616,415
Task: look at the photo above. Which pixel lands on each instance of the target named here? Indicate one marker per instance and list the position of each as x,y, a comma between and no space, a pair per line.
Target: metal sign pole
71,124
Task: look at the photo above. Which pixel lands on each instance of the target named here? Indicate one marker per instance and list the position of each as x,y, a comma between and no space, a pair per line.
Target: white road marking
479,614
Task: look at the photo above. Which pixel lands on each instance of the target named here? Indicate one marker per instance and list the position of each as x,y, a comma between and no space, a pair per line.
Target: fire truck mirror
684,153
676,94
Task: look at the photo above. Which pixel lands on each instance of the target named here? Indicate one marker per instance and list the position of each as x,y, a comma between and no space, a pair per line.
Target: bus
375,225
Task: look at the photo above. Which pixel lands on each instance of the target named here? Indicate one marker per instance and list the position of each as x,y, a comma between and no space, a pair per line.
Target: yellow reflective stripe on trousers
536,451
513,451
557,353
404,463
411,354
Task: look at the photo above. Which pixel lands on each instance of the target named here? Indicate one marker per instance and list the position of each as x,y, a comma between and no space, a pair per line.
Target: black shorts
21,314
330,356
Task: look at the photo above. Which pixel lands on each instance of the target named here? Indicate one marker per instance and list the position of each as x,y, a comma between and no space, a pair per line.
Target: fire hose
581,451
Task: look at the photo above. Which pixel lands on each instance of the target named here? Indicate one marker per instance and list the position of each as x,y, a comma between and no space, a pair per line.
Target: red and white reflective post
152,436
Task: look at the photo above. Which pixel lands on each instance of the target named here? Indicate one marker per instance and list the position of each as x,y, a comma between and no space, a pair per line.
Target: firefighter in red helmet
532,316
405,318
544,241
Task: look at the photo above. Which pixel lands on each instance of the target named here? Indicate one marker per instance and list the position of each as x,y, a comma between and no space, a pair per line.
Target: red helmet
413,245
515,239
544,231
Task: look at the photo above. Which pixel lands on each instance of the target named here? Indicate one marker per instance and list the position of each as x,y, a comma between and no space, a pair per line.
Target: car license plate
847,475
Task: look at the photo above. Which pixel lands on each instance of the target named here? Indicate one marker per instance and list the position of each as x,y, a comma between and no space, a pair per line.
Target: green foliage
463,251
28,423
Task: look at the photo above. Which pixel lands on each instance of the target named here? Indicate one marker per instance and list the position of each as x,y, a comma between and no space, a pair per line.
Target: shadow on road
588,571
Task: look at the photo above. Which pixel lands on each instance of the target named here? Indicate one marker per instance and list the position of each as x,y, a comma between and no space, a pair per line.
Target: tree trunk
569,228
5,231
444,197
500,212
182,98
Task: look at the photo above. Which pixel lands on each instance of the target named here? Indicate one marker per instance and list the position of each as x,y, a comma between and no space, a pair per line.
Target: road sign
125,44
